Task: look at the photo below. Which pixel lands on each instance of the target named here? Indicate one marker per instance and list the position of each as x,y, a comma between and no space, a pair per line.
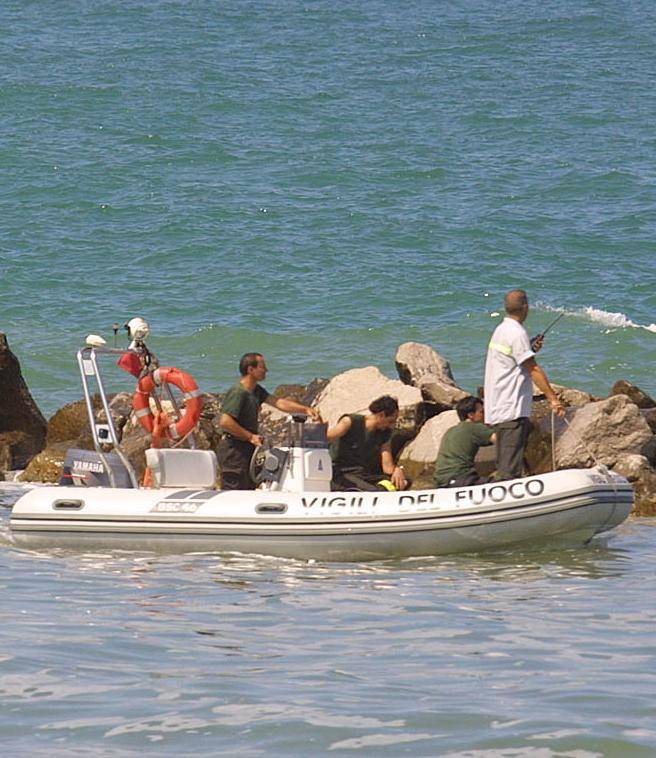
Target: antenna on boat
541,335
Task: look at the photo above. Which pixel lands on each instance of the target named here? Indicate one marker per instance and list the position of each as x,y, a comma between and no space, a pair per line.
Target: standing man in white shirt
510,372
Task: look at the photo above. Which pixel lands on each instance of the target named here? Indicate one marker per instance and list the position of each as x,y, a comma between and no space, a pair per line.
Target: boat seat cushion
182,468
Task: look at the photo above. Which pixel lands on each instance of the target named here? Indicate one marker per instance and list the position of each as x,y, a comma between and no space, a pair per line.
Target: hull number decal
168,506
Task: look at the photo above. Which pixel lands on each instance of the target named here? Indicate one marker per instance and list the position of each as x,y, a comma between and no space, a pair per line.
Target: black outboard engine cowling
85,468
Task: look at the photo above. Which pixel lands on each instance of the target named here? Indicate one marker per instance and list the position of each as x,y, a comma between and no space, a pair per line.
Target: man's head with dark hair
385,404
516,304
468,405
249,360
385,411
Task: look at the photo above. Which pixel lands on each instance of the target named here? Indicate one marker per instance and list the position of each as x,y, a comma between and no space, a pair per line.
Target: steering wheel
263,462
256,466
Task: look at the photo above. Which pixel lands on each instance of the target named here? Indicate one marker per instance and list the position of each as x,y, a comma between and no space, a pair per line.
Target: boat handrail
88,364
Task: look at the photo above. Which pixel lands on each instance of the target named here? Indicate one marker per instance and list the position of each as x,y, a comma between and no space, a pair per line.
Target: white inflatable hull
565,507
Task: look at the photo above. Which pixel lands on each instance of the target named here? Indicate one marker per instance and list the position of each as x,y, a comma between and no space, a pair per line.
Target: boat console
302,465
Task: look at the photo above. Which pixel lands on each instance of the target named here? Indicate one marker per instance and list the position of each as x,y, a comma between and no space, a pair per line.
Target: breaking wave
606,318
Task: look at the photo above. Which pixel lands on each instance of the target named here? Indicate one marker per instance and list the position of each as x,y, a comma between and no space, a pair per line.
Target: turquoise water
537,653
322,182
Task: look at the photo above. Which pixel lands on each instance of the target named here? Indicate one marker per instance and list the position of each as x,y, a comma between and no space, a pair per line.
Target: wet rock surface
634,393
71,422
48,465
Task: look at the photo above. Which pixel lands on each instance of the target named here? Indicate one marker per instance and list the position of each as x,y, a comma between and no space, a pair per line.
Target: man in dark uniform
454,466
239,421
361,449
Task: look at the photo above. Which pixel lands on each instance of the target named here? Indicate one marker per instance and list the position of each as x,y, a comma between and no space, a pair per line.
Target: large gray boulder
354,390
22,425
599,432
423,367
418,363
418,456
637,469
274,425
134,444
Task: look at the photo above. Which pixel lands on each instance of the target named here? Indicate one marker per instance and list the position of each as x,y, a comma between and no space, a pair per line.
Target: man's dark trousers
234,458
512,437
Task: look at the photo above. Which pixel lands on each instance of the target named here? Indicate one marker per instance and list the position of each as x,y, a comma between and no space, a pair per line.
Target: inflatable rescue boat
293,513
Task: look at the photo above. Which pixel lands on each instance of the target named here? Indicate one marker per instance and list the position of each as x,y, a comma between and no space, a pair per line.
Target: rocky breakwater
612,431
617,431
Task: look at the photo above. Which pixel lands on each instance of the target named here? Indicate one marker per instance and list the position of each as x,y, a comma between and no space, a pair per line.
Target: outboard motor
303,465
86,468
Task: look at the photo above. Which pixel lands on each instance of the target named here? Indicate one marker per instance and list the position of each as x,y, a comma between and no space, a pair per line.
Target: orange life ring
185,383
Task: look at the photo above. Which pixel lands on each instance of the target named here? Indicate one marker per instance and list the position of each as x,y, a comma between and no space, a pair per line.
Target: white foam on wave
606,318
615,320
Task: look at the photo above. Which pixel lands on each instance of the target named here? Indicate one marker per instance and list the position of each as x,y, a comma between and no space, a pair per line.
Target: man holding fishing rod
510,372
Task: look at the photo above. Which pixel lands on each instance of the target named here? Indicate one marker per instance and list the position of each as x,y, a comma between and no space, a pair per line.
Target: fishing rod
542,334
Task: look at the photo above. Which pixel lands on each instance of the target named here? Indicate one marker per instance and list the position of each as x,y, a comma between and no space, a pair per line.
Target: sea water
514,653
322,182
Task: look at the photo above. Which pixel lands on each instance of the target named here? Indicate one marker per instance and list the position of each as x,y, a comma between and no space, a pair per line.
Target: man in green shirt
361,450
239,421
455,461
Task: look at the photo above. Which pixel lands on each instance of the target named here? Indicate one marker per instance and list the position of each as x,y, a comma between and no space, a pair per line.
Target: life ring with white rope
190,391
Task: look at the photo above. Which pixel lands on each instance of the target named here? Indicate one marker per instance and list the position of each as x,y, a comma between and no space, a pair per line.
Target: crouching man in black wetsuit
361,451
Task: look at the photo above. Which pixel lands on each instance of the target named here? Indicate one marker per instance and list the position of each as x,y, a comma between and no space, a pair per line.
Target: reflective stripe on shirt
505,349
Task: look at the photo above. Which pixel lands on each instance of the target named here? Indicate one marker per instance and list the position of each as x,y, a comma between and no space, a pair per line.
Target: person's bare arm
395,473
340,429
286,405
230,425
539,378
